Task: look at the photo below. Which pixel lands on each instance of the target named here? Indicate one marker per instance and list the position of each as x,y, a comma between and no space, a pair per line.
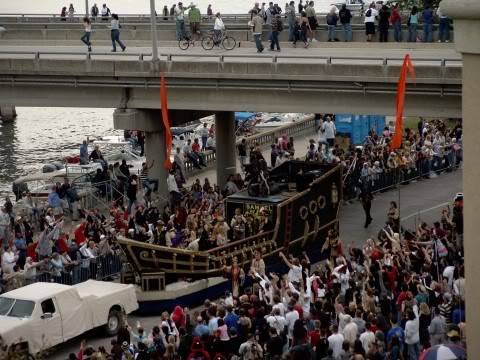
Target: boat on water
303,209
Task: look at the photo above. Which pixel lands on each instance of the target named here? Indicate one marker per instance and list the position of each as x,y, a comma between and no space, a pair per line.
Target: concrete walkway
412,199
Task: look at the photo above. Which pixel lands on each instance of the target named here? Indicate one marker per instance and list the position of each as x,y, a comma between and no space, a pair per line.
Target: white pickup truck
47,314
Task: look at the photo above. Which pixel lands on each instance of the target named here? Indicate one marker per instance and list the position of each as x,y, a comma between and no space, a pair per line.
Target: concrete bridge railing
141,34
210,81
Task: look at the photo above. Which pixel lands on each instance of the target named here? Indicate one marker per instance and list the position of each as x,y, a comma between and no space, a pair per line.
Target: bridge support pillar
466,16
150,122
225,137
8,112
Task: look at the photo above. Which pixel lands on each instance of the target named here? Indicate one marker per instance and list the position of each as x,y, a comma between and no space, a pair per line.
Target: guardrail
413,220
102,267
329,60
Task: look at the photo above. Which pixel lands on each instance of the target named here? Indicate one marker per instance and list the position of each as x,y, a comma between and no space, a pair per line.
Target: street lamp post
153,23
86,8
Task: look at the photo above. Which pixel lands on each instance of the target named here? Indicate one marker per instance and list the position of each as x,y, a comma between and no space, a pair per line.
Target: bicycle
227,42
185,43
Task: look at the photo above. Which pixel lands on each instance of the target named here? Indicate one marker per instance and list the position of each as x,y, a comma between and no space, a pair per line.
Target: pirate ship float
303,208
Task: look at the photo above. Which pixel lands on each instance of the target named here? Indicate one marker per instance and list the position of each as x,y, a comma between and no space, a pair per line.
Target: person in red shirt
80,233
196,147
314,335
392,274
31,251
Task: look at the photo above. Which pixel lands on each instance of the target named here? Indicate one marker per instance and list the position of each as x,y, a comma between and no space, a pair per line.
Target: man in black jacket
345,17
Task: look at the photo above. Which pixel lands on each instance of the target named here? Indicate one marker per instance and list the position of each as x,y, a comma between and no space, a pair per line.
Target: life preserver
303,212
322,201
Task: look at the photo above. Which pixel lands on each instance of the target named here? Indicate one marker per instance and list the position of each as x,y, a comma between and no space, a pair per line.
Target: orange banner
407,67
166,123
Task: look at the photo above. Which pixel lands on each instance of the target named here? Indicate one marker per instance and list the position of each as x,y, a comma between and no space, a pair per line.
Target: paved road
413,198
360,54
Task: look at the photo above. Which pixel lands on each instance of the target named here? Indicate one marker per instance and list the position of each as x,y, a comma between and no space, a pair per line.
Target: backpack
280,25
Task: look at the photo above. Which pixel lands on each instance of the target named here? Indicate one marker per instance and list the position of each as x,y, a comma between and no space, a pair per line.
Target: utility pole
153,23
86,8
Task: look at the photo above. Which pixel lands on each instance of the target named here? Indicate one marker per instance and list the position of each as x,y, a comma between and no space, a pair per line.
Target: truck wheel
114,322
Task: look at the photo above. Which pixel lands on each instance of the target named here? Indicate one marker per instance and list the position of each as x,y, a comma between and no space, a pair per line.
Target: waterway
140,6
42,135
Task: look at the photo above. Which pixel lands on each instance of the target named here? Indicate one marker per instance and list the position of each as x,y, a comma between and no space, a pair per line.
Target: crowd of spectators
390,298
427,151
40,247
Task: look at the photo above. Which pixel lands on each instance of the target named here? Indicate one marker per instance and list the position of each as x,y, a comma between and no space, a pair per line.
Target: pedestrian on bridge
194,18
370,16
257,28
165,13
312,20
412,25
63,14
383,23
291,18
180,20
332,20
71,12
277,27
94,11
427,24
88,30
105,12
345,17
396,21
115,33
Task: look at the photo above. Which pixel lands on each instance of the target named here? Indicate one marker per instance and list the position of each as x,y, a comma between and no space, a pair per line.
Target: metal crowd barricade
388,179
99,268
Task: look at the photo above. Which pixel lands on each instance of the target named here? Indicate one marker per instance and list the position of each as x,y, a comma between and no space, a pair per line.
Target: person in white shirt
448,273
9,259
115,33
412,333
211,144
276,321
367,337
172,187
350,330
322,138
30,270
88,30
295,273
330,131
370,16
89,252
180,20
335,342
291,316
277,304
218,28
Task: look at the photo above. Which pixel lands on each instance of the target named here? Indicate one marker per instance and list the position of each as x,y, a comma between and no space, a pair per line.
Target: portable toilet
357,127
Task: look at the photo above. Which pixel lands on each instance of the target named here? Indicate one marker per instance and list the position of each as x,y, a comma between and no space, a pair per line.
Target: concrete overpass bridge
362,80
357,80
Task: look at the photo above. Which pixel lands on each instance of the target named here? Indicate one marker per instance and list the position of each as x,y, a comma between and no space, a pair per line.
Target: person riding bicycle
218,29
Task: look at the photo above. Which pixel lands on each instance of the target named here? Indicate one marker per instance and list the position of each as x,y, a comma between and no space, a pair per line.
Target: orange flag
401,87
166,123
